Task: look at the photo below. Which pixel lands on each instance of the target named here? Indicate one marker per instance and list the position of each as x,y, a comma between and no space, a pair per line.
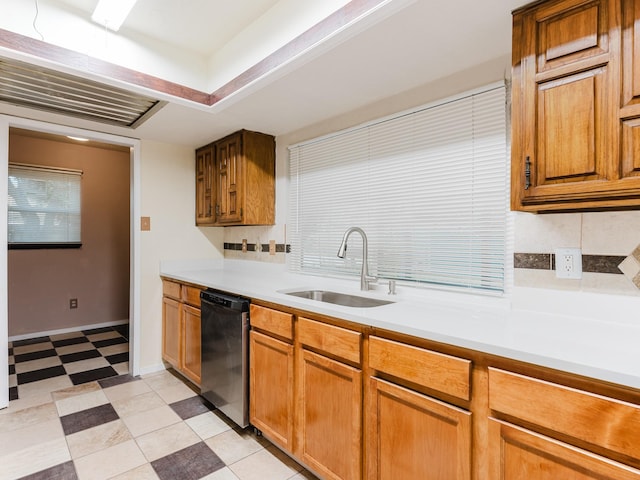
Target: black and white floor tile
82,356
80,415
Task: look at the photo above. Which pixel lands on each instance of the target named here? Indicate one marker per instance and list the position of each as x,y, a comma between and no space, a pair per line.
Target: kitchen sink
339,298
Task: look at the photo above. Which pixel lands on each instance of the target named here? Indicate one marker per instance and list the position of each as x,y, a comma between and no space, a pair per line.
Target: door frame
7,121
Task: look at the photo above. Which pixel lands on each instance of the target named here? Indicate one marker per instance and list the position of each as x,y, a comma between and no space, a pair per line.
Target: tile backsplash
257,243
605,239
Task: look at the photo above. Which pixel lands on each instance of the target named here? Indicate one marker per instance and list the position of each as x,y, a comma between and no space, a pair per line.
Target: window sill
42,246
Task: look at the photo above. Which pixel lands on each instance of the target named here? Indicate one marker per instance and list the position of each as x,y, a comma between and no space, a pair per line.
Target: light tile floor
120,427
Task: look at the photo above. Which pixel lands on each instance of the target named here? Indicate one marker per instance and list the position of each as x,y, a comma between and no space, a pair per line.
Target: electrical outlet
272,247
568,263
73,303
244,245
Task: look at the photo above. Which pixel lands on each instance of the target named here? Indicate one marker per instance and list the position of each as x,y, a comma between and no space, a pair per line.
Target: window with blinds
429,187
44,207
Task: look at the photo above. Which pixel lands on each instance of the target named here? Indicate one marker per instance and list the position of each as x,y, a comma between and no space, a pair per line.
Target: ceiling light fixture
111,13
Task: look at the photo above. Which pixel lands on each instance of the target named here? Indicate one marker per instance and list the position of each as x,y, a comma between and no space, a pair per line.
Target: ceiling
201,26
413,46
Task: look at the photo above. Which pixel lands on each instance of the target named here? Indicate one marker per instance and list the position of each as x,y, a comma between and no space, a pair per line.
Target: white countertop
603,348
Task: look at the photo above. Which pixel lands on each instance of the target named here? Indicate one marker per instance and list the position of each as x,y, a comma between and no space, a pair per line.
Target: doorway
133,148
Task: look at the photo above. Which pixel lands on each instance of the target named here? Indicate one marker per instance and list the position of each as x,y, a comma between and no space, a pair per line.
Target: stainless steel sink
339,298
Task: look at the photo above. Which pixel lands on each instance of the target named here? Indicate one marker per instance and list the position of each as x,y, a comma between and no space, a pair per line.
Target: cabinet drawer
598,420
333,340
278,323
191,295
444,373
171,289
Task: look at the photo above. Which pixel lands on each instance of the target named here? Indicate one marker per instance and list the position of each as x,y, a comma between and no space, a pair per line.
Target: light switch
145,224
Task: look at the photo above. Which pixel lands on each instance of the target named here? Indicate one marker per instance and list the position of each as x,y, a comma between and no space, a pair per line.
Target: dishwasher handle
225,300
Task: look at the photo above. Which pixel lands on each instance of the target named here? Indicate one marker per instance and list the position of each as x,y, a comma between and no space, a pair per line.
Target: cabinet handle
527,173
218,210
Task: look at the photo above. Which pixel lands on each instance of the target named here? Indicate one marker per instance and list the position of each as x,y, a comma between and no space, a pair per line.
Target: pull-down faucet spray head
342,251
365,278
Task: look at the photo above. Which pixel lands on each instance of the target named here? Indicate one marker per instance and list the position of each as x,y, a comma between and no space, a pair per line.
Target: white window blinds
429,188
44,206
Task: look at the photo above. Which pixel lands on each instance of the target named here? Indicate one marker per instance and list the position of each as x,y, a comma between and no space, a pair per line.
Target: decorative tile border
631,267
590,263
253,247
537,261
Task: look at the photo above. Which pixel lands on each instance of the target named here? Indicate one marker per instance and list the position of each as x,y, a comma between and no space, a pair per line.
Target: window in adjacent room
428,186
44,207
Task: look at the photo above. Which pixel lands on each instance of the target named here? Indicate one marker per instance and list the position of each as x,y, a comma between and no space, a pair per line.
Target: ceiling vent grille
32,86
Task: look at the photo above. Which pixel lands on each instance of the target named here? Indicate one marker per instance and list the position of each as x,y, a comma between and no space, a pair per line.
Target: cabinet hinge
527,173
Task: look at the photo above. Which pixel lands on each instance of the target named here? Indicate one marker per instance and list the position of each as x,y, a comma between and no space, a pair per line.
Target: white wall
484,74
603,233
168,197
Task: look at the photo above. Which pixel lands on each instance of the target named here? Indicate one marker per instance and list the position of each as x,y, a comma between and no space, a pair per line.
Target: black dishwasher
225,353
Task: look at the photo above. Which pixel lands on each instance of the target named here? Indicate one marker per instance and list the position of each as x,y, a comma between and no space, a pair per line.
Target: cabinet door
630,111
414,437
519,454
171,331
631,53
229,186
331,417
566,95
271,388
205,188
191,353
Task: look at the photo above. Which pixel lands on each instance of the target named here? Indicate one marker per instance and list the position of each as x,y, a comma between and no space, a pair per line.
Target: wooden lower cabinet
171,331
352,403
181,342
413,436
192,351
520,454
271,388
331,420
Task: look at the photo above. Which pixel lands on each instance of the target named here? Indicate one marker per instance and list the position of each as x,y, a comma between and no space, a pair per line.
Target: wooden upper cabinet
229,172
205,189
242,179
571,149
630,111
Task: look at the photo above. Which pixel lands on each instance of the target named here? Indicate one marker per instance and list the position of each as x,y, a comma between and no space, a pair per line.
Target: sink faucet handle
392,287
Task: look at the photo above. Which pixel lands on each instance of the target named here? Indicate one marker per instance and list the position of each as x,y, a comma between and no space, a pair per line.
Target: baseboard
152,369
27,336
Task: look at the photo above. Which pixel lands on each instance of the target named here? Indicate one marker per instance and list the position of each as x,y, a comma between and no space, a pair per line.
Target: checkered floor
83,356
78,426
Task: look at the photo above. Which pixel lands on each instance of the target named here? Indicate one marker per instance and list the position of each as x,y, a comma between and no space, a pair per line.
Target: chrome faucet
365,278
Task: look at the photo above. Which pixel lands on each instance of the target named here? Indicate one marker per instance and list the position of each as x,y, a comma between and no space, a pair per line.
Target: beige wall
41,282
167,195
